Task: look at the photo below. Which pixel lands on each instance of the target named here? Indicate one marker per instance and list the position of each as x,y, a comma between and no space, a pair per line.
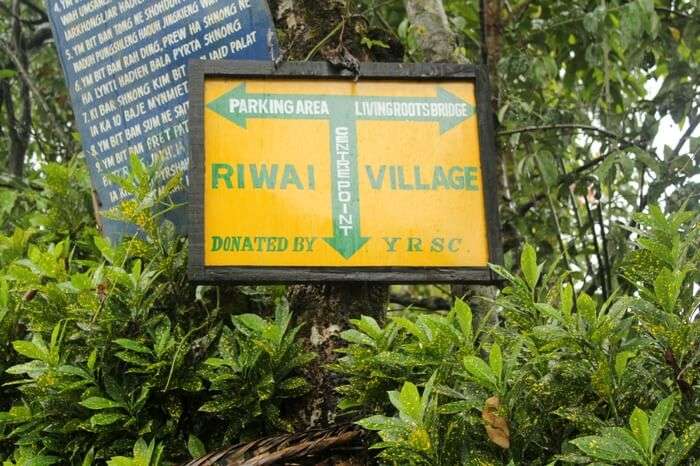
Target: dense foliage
591,353
105,345
564,372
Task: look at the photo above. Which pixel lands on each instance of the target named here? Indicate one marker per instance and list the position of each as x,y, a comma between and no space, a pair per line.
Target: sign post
301,174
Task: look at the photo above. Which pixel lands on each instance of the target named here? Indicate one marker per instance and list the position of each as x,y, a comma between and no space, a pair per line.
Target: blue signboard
125,62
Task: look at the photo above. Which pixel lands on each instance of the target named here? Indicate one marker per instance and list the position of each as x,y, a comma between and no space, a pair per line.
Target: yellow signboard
347,174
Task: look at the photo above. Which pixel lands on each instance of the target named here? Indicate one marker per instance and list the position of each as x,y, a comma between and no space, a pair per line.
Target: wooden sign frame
200,70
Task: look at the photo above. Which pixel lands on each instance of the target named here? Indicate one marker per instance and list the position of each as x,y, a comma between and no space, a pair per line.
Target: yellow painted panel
342,174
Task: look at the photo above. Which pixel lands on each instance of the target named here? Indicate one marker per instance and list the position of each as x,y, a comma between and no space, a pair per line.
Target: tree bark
313,29
18,128
436,40
325,311
491,26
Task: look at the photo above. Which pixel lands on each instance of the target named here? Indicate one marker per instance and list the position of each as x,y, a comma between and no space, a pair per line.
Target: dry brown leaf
496,425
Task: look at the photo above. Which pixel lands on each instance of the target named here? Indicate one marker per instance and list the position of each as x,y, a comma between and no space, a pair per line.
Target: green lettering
216,243
312,177
391,244
402,183
415,245
282,244
221,171
264,177
290,176
437,245
439,179
234,243
416,175
470,178
457,177
241,175
376,181
454,244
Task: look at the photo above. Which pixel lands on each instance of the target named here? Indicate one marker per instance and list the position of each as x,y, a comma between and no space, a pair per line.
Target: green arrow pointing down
343,112
345,189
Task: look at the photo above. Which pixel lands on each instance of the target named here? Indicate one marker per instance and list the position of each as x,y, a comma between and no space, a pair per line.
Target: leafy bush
109,351
560,376
110,355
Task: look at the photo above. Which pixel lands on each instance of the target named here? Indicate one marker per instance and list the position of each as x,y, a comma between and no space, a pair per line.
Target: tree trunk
18,128
314,29
436,41
329,29
325,311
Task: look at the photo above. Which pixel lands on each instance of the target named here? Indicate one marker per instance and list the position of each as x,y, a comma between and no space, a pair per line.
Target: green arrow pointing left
238,106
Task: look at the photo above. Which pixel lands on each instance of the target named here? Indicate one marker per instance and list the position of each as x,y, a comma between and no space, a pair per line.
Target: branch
9,13
574,126
686,135
516,14
567,178
669,11
435,38
12,182
45,106
36,9
41,34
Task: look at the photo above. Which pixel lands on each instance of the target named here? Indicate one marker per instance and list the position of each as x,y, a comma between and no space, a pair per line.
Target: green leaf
89,457
425,397
683,445
496,361
250,322
411,403
548,310
359,338
31,350
659,418
7,73
33,369
138,169
383,423
480,372
621,360
464,318
133,345
639,424
294,385
74,370
667,287
369,326
105,248
412,328
195,447
607,448
528,264
586,308
104,419
567,300
96,402
122,461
